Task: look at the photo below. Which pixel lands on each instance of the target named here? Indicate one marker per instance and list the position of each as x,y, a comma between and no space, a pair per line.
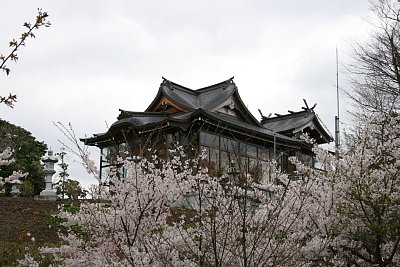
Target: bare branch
40,21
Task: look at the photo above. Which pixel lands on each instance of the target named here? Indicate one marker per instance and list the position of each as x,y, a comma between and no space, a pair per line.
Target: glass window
265,174
113,154
250,150
209,139
243,148
254,169
105,156
214,161
224,161
306,159
229,144
105,171
264,154
243,166
226,158
283,162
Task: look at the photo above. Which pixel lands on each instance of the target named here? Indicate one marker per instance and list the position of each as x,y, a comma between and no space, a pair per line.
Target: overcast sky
100,56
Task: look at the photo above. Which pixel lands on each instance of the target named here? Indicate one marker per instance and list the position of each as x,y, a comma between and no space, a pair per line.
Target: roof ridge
290,114
215,86
141,112
199,92
126,114
173,85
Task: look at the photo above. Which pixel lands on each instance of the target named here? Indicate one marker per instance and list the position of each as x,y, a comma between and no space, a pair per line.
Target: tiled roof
205,103
206,98
296,122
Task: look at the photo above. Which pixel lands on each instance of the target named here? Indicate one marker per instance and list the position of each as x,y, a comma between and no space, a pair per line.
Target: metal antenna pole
337,129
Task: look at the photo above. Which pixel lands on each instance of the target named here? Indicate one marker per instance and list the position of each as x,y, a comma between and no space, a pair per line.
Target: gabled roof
208,98
219,104
295,123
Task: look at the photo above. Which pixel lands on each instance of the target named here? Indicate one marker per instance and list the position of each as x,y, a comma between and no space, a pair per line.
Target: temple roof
147,121
219,104
210,98
205,98
294,123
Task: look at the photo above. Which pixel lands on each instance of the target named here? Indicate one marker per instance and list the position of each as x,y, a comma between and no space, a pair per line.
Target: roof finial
262,116
305,102
307,107
165,82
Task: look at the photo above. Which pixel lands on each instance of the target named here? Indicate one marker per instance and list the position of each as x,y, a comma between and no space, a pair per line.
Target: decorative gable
164,105
228,107
295,124
222,98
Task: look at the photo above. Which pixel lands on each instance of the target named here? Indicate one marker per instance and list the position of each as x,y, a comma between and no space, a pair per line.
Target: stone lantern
49,161
233,174
15,188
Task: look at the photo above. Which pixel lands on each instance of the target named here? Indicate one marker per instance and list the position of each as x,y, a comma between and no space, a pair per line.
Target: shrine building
211,120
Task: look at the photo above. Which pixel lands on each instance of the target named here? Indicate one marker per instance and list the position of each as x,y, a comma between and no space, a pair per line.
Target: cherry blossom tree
5,160
173,213
139,220
367,193
124,227
247,223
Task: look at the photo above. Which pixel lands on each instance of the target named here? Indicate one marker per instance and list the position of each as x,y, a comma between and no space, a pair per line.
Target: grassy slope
20,216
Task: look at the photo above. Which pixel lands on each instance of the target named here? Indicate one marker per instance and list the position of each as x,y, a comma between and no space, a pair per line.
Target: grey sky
99,56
